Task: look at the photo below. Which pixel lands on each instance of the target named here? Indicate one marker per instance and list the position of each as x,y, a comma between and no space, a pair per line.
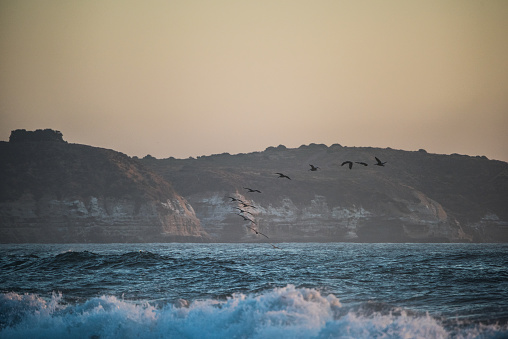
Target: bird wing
252,228
243,216
256,231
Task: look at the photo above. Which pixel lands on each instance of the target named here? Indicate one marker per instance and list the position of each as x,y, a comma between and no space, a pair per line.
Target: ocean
299,290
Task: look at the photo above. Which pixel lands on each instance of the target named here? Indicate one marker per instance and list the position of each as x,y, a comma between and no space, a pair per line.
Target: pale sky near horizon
188,78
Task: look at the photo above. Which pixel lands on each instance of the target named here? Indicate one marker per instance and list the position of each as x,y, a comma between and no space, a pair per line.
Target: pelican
243,211
252,190
379,163
350,163
246,219
313,168
283,175
247,205
361,163
256,231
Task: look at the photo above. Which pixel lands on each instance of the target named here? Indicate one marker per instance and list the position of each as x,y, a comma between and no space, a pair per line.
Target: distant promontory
53,191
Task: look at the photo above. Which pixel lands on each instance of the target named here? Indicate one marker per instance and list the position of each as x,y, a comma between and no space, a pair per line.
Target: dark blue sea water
333,290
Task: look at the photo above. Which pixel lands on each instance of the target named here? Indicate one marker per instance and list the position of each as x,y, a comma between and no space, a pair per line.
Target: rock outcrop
52,191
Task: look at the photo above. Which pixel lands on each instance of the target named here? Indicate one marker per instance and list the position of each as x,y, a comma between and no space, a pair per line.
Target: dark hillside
52,191
463,197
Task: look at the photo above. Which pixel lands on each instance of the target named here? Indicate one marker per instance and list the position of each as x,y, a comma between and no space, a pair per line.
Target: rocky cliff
415,197
52,191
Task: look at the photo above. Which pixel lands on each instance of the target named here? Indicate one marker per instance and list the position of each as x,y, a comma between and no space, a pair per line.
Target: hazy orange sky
189,78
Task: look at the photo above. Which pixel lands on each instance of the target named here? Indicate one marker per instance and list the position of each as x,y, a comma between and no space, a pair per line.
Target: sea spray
283,312
280,313
103,317
286,312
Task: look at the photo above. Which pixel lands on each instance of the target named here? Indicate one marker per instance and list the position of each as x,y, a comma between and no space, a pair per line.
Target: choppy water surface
334,290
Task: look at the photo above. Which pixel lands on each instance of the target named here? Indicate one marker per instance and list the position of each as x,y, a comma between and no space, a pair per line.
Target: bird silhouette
247,205
361,163
235,199
252,190
256,231
379,162
283,175
313,168
274,246
244,211
350,163
245,218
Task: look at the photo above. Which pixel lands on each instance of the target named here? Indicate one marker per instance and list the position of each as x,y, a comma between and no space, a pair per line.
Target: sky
188,78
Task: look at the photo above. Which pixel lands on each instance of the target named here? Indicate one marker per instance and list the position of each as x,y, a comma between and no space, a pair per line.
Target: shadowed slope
58,192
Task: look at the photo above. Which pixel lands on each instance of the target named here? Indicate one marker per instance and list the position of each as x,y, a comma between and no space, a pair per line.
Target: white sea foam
286,312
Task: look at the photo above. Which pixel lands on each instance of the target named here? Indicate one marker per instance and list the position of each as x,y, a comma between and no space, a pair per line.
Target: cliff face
415,197
318,220
52,191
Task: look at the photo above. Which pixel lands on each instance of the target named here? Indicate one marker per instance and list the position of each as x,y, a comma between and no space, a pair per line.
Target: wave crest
286,312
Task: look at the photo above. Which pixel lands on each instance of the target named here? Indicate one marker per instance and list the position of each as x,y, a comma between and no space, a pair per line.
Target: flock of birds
350,163
244,208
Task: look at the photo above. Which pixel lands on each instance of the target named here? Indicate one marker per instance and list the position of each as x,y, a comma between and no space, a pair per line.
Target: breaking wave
286,312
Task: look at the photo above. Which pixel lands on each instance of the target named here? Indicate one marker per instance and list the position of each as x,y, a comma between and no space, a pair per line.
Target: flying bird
274,246
361,163
252,190
256,231
313,168
350,163
247,205
235,199
379,162
243,211
245,218
283,175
